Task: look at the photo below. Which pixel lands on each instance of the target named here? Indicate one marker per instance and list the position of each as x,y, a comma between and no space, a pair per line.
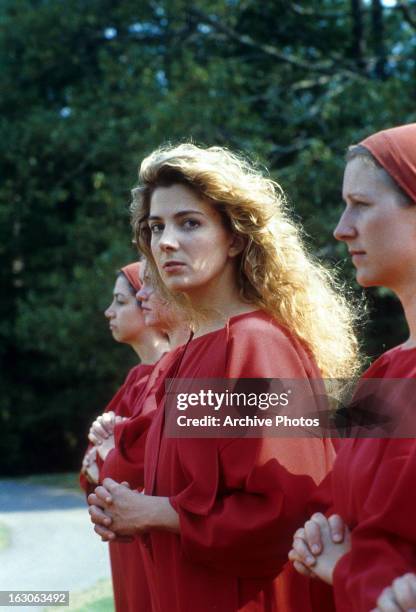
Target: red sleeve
126,461
384,541
241,516
247,528
322,498
86,486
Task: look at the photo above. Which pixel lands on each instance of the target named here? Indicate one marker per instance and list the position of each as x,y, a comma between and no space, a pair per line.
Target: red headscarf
395,150
131,272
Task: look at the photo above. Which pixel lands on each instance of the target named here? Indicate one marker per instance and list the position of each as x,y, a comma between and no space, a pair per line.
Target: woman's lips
173,266
357,255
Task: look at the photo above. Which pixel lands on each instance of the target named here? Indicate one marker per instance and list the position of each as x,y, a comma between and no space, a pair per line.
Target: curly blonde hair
276,273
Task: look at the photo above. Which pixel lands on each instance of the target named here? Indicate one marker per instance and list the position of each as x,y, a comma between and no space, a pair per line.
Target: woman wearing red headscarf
149,340
372,482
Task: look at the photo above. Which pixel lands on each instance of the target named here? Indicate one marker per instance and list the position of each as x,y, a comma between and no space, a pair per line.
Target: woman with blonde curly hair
217,513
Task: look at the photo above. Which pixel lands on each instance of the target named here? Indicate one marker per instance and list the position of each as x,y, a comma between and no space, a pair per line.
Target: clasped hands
118,512
101,432
319,545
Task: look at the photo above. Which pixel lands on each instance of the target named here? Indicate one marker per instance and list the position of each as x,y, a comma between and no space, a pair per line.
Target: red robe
373,489
239,500
131,593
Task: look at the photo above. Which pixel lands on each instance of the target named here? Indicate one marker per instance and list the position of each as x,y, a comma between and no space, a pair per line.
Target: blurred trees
87,89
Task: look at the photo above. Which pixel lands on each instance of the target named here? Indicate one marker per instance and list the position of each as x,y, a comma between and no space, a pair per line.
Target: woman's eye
156,228
191,224
120,301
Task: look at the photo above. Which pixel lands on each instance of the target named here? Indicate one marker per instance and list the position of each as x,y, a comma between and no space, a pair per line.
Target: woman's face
156,311
378,227
189,242
124,313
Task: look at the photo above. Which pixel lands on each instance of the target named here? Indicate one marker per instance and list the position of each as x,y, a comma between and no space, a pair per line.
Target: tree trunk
377,27
358,44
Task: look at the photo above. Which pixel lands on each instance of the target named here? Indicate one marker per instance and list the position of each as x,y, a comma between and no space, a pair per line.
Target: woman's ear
237,245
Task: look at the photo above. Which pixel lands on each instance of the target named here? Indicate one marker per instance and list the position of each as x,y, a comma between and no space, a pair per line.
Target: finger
98,517
107,421
411,580
301,569
104,496
93,438
386,602
93,500
126,484
403,592
99,431
303,552
336,528
111,485
106,534
293,556
313,536
300,533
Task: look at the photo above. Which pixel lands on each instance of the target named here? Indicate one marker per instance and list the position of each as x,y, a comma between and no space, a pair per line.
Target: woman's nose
108,312
168,240
345,229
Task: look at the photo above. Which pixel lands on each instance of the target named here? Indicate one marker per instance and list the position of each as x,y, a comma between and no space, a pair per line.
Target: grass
99,598
4,536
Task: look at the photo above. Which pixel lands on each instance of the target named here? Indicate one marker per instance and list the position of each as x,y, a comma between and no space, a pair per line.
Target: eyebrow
181,213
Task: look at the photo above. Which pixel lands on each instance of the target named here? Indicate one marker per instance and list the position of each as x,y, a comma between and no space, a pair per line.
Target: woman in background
127,325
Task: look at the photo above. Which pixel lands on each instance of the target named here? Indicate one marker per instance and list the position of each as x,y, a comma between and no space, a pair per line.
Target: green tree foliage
88,88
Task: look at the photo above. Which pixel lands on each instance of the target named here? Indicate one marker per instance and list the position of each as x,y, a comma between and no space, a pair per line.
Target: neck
151,346
407,298
217,302
178,335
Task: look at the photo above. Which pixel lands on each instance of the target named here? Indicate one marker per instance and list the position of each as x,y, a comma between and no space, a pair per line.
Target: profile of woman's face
190,244
378,227
156,311
124,314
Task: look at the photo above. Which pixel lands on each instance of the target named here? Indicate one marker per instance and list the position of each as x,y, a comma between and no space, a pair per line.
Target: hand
103,427
89,466
105,447
126,511
117,511
319,534
102,521
399,597
307,541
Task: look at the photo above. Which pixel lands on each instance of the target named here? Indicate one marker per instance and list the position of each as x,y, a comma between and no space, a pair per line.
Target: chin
177,285
364,280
